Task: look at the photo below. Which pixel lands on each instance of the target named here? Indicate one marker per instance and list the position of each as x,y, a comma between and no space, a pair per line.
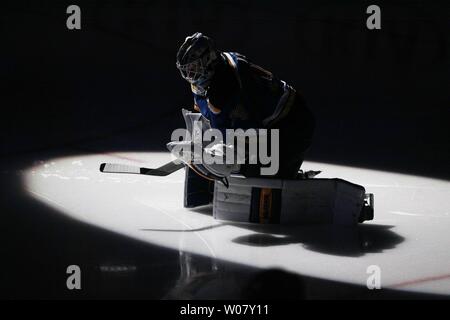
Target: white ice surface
417,208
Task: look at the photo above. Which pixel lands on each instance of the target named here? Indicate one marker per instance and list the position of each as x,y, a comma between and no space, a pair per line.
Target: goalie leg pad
198,191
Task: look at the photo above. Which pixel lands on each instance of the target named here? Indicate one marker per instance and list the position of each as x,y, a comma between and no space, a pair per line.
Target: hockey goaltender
232,92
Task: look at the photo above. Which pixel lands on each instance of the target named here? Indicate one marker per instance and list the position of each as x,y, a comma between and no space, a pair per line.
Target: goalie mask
196,60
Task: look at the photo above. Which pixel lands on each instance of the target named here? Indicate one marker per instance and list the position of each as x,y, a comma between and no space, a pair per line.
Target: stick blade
119,168
162,171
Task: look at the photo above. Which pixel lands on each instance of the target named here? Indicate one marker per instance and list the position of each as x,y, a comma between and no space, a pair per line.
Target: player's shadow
330,239
335,240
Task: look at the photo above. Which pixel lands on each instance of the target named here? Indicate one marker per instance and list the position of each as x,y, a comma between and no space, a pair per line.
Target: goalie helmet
196,59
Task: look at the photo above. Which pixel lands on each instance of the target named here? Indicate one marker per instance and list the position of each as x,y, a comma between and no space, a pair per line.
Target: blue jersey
218,119
241,95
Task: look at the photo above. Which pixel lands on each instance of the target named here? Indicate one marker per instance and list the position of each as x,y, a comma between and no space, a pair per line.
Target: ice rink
408,239
111,92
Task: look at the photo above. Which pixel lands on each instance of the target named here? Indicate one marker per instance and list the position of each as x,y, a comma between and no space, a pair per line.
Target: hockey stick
162,171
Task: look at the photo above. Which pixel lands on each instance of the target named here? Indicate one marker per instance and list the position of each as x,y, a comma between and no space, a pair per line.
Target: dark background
381,97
